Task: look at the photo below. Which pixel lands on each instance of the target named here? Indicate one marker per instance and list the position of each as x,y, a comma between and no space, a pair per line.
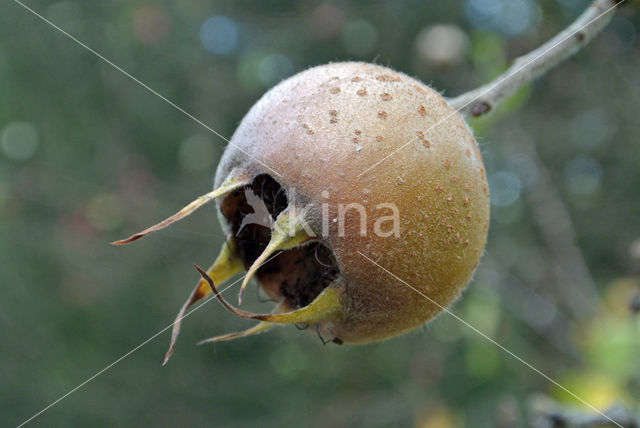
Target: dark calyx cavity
299,274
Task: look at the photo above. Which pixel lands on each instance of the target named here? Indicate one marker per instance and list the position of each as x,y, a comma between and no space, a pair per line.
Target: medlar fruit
325,152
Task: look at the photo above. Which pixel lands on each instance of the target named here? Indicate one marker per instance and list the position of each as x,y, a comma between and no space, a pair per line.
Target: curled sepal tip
228,186
288,232
227,264
327,305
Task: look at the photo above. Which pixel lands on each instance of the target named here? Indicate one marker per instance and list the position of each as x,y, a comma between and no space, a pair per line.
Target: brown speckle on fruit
362,92
382,114
423,140
422,111
419,89
387,78
385,96
334,90
307,128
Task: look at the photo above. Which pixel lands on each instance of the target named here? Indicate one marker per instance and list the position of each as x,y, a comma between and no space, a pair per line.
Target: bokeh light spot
327,21
441,45
582,175
511,17
483,9
219,35
505,188
151,24
19,141
518,16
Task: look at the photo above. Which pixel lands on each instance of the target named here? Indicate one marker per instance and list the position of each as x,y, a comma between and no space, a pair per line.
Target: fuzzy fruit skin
323,127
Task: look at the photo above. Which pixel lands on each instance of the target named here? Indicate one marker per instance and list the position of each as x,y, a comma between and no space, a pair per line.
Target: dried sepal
227,187
227,264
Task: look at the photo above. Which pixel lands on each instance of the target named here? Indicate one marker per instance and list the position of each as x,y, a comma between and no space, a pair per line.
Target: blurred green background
88,156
